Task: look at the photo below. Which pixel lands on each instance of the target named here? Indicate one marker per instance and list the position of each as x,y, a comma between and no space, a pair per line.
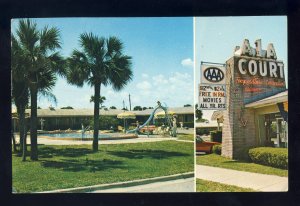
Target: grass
189,137
208,186
76,165
219,161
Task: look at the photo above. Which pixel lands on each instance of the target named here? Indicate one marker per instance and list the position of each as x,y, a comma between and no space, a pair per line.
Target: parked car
204,146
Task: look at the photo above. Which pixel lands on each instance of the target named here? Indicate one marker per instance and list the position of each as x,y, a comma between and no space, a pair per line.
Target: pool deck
141,138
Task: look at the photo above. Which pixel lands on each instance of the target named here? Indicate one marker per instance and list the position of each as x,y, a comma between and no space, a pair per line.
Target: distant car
204,146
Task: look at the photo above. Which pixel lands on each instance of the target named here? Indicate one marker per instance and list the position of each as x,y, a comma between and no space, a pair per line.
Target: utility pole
123,105
129,103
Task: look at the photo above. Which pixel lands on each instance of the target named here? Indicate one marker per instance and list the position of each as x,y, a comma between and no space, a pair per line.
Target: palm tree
20,91
40,62
101,62
20,96
101,100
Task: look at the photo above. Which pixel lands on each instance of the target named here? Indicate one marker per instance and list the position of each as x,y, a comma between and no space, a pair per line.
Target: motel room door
281,127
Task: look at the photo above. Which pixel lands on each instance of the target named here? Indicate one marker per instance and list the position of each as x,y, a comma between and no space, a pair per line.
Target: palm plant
100,62
101,100
36,62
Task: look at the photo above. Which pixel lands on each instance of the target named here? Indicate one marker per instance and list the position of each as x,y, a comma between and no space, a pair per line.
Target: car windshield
199,139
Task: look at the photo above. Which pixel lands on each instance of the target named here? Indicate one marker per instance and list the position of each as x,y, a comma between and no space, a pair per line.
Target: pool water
76,135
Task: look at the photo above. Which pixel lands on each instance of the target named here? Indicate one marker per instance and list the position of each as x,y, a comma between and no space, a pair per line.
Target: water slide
151,117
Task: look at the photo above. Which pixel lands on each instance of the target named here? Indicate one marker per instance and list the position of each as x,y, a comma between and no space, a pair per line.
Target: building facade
256,94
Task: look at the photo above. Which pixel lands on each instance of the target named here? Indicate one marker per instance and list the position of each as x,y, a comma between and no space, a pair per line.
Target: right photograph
241,104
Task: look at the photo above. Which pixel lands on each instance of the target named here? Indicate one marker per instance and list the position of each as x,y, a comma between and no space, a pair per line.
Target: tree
101,100
144,108
20,97
113,107
137,108
68,107
199,113
100,62
187,105
39,63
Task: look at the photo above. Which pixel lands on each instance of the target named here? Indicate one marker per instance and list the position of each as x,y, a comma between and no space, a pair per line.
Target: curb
122,184
179,140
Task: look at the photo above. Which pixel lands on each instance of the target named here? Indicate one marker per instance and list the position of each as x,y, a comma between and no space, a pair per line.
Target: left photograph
102,105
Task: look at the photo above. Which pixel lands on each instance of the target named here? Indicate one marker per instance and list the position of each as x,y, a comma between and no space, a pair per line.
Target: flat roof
207,125
277,98
109,112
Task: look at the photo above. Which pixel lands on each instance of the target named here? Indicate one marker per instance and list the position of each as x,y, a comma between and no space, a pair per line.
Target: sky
162,60
216,38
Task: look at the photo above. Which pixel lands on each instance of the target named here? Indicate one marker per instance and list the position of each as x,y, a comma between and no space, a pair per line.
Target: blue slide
151,117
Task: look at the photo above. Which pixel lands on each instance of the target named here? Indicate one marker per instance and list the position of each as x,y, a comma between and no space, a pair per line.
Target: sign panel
212,74
258,78
212,96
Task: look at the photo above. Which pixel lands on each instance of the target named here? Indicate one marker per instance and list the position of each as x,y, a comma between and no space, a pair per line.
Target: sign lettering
261,68
212,97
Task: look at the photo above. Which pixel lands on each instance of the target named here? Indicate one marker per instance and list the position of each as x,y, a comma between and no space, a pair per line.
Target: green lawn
76,165
208,186
219,161
182,136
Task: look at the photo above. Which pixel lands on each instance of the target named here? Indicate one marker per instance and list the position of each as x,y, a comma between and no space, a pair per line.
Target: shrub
188,124
274,157
105,122
216,136
217,149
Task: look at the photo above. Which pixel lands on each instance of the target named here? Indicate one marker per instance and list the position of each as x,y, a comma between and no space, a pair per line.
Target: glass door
281,132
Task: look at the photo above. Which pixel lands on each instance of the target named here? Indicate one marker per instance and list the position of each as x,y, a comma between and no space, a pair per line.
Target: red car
204,146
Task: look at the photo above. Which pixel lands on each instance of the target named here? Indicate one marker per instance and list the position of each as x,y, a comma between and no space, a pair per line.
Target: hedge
274,157
188,124
216,136
217,149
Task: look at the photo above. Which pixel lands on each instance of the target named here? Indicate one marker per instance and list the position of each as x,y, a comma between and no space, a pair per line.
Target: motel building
256,103
63,119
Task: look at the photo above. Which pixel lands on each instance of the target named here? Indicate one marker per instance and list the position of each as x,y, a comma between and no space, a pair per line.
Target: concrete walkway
259,182
181,185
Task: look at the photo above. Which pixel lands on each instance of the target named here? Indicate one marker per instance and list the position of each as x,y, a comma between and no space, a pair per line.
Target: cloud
159,79
187,63
175,89
144,75
144,85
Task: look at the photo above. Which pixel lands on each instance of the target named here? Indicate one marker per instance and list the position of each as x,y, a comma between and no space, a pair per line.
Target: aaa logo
213,74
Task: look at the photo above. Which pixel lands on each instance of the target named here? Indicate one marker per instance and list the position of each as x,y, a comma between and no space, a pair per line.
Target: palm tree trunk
33,122
96,116
14,142
22,132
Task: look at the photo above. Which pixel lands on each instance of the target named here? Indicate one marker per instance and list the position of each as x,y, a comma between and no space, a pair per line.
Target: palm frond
48,95
49,39
46,80
114,46
119,71
28,34
78,70
57,63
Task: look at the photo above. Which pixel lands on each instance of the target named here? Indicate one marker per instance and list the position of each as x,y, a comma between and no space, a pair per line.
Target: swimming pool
79,136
